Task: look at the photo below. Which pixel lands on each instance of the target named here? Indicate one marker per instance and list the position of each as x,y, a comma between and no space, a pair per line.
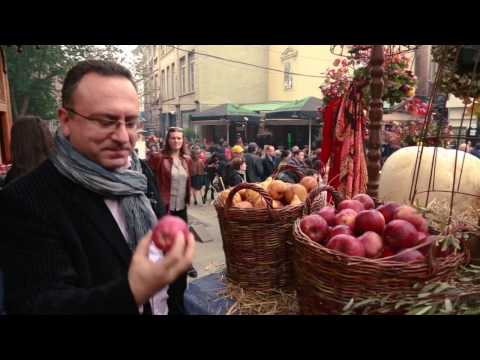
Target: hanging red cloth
330,144
344,133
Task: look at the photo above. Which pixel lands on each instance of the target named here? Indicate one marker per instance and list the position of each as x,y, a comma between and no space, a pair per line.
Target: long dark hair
167,150
30,146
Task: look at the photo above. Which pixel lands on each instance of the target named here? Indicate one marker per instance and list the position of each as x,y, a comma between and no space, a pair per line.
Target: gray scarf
126,186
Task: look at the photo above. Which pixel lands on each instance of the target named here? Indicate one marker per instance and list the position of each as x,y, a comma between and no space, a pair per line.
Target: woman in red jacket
173,171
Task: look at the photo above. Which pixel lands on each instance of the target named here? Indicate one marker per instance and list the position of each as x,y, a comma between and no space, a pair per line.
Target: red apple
409,255
315,227
346,217
346,244
373,244
328,213
369,220
351,204
387,251
366,200
388,209
340,229
411,215
166,230
400,234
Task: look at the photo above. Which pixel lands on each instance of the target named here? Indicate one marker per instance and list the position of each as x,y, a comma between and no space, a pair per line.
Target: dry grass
252,302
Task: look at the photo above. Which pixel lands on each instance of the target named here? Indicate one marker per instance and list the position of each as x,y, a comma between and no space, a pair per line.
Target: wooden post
375,120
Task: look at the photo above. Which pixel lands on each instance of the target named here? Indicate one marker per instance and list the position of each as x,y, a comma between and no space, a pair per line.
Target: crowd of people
217,166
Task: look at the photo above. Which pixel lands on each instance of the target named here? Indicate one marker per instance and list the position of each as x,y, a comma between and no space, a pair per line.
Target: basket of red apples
359,248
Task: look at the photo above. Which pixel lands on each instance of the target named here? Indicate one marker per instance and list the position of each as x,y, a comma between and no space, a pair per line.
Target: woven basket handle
286,167
313,197
265,195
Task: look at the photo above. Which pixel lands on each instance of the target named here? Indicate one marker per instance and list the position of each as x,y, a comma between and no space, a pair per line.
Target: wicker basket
255,241
326,280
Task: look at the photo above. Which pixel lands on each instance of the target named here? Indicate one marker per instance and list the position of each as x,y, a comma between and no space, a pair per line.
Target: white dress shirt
159,301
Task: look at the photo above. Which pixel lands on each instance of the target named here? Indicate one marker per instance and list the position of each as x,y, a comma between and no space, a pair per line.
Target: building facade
181,79
309,60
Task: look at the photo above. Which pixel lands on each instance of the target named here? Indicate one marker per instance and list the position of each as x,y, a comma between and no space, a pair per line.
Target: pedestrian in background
254,164
283,159
174,169
28,155
198,175
269,161
237,175
211,169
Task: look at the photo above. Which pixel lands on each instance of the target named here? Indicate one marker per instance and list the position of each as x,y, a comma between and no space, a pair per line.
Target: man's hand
146,277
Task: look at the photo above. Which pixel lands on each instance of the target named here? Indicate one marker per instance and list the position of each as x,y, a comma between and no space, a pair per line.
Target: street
209,256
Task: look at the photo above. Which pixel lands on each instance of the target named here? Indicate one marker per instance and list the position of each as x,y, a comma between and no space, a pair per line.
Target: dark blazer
235,178
254,168
268,166
61,250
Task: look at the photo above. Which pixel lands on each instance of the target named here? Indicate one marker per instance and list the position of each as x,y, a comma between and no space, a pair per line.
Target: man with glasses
76,231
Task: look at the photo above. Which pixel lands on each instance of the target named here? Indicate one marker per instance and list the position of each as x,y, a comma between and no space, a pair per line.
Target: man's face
301,156
270,151
104,98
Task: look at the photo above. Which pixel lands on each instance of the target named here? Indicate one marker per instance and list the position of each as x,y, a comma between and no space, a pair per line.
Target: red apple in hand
373,244
315,227
366,200
166,230
388,210
351,204
328,213
369,220
400,234
346,244
411,215
346,217
409,255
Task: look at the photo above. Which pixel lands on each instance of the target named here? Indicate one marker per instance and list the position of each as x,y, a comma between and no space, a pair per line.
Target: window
191,72
155,84
162,85
172,82
168,83
287,76
183,69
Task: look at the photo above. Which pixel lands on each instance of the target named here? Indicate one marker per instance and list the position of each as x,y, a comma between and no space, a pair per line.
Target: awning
306,108
223,114
291,122
265,107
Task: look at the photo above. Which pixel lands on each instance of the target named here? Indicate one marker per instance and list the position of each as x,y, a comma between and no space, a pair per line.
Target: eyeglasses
108,124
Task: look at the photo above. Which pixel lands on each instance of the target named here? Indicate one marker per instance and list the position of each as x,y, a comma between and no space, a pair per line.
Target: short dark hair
237,162
285,154
82,68
252,147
